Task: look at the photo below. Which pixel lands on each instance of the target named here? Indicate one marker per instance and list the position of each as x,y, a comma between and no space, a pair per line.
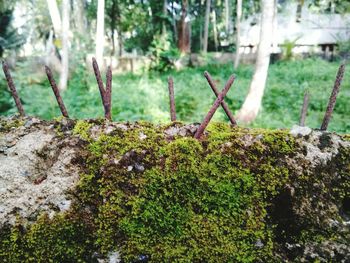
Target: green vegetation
167,199
64,238
144,96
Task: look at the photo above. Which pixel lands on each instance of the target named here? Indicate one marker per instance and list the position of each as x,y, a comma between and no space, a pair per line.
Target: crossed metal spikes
219,101
106,96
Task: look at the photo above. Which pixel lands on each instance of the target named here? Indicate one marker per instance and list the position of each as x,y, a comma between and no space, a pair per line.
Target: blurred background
278,50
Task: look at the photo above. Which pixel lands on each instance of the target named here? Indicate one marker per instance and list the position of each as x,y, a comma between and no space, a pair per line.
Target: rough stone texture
321,150
320,147
40,164
36,171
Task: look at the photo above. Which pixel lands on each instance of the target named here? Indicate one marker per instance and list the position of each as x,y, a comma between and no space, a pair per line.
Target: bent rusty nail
108,94
215,106
223,104
99,80
12,88
172,99
304,108
56,92
333,98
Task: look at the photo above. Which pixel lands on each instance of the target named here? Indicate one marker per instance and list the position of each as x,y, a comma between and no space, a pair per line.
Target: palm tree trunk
238,32
165,13
174,22
65,45
79,16
206,27
252,103
184,30
100,36
227,16
215,31
55,16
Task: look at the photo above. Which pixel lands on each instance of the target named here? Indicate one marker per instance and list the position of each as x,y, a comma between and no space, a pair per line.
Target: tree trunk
113,42
227,16
252,103
165,14
100,36
120,42
119,29
299,10
174,23
51,58
206,27
112,24
65,45
184,31
215,31
79,17
201,31
238,32
55,16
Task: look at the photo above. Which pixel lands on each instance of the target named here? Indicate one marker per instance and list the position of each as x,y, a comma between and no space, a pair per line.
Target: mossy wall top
153,193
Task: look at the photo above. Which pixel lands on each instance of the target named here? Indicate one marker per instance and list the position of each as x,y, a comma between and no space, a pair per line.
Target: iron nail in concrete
108,94
215,106
105,93
304,108
172,99
12,88
99,80
223,104
333,97
56,92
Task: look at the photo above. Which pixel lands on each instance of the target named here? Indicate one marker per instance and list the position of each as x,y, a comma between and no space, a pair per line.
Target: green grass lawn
145,96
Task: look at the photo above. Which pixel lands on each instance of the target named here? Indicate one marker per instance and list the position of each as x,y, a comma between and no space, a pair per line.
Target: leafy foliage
329,6
9,37
287,48
163,53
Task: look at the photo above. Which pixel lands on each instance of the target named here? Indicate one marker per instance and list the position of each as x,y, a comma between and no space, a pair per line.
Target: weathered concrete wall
92,190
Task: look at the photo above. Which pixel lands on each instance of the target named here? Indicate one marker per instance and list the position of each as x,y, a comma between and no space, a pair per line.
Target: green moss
194,200
219,127
60,239
203,216
82,128
59,118
8,124
181,199
346,137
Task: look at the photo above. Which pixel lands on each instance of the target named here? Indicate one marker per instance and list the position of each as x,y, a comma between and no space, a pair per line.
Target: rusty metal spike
56,92
215,106
108,94
172,99
12,88
223,104
304,108
333,98
99,80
